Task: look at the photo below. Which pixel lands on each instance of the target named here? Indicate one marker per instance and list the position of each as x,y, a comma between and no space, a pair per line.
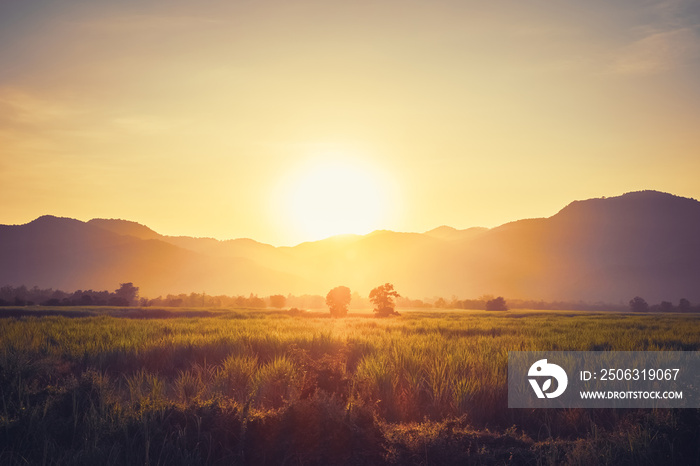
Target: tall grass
275,383
158,391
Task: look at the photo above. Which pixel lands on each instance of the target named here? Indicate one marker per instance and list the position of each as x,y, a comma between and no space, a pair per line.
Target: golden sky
287,121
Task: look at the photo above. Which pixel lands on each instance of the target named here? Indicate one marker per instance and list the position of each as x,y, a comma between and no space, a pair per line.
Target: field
210,386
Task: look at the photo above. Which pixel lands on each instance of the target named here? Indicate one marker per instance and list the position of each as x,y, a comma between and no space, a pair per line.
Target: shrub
296,311
317,431
188,386
235,375
275,383
144,388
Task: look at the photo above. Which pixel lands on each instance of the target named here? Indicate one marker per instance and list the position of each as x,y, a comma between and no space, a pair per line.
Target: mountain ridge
610,249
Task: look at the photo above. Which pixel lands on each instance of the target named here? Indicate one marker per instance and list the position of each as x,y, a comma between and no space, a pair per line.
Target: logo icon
542,368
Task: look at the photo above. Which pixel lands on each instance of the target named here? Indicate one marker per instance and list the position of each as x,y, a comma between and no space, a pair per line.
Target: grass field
212,386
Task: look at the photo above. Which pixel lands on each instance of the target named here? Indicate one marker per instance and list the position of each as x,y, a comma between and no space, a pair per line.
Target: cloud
658,52
31,124
148,23
28,109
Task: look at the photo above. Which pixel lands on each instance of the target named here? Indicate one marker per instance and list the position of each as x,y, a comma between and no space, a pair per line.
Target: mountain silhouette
610,249
448,233
69,254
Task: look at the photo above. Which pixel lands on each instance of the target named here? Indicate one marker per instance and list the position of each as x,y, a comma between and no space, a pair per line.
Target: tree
255,302
666,306
684,305
383,299
126,294
638,304
496,304
337,301
278,301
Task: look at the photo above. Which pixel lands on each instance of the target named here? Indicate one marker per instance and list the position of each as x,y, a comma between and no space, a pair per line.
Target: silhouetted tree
638,304
337,301
126,295
278,301
383,299
666,306
496,304
117,301
684,305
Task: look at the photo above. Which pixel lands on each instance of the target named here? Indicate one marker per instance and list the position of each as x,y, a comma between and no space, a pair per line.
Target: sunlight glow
335,195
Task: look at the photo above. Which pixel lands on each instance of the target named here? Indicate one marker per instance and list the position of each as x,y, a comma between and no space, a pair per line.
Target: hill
70,254
610,249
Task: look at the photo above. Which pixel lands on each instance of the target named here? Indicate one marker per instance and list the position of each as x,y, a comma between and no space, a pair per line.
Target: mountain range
643,243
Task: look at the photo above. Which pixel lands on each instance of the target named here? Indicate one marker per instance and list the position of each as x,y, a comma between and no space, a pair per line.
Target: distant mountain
452,234
69,254
644,243
125,227
611,249
243,248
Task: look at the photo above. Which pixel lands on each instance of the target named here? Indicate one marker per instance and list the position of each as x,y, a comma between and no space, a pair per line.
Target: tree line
128,295
639,304
125,295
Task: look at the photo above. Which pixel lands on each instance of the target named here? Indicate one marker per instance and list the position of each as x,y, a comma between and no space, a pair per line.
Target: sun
332,196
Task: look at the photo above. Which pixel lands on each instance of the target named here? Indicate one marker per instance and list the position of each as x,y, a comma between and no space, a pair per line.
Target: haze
256,119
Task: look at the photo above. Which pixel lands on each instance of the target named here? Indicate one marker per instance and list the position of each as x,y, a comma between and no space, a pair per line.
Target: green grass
212,386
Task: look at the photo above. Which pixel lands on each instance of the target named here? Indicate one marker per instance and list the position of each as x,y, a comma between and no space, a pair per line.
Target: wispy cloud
666,39
25,108
31,114
137,23
658,52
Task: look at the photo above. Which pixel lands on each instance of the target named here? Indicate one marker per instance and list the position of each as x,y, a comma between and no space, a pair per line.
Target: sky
288,121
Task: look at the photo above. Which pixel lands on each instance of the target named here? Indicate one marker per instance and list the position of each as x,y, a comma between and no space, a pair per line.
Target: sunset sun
336,196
